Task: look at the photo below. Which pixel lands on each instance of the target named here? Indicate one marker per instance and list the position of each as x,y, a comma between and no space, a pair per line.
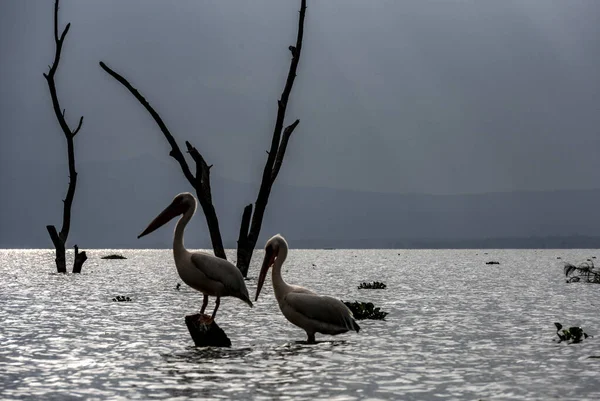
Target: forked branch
275,154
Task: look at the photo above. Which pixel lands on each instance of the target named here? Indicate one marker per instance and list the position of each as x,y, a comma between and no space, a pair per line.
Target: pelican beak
268,261
173,210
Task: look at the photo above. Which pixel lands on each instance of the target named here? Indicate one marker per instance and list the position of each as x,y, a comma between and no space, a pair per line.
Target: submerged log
206,332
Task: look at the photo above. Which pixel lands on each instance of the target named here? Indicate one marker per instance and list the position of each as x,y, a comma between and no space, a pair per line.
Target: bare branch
243,237
78,127
56,21
200,182
282,147
244,251
281,109
205,198
64,34
202,173
175,151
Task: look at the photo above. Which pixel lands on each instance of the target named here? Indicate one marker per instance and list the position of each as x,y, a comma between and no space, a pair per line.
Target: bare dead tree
247,238
59,239
200,181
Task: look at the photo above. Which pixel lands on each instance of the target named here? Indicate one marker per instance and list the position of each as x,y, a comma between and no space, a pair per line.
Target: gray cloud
438,97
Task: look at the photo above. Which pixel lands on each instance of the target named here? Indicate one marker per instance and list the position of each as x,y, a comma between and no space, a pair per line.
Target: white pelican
311,312
203,272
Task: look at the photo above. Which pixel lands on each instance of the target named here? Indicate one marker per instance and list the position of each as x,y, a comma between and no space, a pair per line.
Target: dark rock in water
573,334
113,256
375,285
205,332
365,310
178,286
121,298
492,263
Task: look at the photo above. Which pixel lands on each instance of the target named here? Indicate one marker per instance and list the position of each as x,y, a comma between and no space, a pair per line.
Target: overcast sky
435,97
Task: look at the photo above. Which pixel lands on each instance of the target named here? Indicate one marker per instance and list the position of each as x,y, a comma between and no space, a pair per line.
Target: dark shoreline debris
585,272
573,334
375,285
113,256
365,310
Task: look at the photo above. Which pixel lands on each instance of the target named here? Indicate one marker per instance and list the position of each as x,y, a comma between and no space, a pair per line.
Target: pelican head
180,204
273,250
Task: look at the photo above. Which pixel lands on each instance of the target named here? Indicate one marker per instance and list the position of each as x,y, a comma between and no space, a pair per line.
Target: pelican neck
279,284
178,242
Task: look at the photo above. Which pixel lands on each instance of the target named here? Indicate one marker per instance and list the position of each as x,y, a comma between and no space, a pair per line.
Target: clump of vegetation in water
492,262
121,298
584,272
365,310
113,256
375,285
572,334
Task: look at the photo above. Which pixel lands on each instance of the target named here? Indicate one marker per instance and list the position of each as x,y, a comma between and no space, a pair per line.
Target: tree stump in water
205,332
80,258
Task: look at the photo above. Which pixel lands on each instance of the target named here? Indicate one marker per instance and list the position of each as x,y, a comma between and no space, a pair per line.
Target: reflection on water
456,329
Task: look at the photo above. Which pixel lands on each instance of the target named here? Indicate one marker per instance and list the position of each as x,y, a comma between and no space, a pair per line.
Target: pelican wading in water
311,312
206,273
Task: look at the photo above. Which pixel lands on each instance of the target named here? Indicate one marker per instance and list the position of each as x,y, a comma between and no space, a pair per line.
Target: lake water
457,329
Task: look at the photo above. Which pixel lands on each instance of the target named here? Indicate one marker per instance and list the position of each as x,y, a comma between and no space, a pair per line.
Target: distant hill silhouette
115,201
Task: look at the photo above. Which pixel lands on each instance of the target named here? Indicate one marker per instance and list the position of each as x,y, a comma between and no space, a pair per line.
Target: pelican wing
323,309
222,271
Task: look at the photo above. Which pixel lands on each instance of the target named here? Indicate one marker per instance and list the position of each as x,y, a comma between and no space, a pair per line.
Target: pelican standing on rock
311,312
203,272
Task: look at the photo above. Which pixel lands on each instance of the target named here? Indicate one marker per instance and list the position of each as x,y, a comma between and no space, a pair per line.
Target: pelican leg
204,303
311,338
217,303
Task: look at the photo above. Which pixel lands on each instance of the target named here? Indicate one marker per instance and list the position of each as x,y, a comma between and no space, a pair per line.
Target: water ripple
457,329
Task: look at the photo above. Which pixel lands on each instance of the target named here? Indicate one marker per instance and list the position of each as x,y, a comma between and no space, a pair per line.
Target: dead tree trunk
200,181
59,239
248,238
